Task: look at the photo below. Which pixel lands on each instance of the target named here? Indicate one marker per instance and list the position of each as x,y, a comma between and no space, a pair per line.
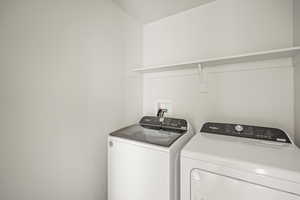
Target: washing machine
144,159
240,162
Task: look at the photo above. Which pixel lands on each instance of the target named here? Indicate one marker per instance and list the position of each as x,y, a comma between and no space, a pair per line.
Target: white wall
261,95
297,69
63,89
219,28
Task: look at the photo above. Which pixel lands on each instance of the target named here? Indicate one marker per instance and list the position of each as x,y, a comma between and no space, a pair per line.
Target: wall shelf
249,57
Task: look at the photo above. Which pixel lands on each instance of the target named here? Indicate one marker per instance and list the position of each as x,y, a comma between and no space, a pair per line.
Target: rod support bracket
202,79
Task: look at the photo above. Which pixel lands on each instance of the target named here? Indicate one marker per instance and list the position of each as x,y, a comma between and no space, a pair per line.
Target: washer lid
278,160
146,135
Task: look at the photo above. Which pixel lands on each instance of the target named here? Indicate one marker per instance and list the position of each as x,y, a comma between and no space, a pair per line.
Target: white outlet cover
164,104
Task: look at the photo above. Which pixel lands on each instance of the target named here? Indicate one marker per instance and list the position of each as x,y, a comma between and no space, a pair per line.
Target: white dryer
239,162
144,159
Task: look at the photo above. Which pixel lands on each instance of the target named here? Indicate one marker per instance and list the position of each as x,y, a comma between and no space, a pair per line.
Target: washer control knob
239,128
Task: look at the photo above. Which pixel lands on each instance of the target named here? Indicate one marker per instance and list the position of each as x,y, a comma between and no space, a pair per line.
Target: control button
239,128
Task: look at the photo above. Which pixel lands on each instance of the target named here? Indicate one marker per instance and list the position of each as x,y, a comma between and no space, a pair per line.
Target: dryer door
207,185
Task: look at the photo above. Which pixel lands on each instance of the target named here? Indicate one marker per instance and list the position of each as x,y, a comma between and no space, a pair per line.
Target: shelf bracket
202,79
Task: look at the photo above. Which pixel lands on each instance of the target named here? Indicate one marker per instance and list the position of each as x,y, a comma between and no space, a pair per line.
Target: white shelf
256,56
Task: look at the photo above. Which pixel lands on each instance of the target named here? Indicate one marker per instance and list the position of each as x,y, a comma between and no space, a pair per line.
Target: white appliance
144,159
239,162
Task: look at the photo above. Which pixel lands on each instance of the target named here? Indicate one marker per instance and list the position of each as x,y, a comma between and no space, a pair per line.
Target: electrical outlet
164,104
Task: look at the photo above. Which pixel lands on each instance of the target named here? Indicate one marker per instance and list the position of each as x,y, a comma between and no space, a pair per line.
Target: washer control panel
168,124
246,131
150,122
173,123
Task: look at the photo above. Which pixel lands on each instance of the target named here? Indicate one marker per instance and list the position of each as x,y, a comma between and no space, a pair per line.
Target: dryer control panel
246,131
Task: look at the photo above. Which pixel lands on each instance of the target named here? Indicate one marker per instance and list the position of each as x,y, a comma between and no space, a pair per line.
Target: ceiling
151,10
